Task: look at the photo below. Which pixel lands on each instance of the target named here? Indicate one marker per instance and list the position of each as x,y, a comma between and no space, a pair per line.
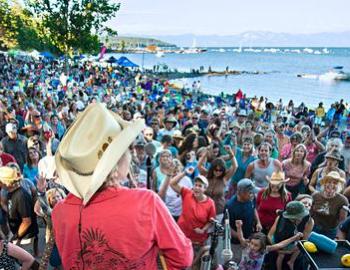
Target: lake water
281,64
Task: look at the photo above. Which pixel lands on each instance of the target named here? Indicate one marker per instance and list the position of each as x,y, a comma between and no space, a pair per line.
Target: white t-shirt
173,200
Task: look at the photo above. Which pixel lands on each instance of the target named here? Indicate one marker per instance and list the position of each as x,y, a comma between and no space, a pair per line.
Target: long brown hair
282,191
304,157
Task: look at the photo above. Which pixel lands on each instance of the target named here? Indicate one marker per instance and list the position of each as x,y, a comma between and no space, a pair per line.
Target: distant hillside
122,43
261,38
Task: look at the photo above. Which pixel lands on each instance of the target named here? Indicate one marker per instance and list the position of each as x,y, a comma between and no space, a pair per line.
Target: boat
271,50
335,74
325,51
239,50
222,50
308,50
160,54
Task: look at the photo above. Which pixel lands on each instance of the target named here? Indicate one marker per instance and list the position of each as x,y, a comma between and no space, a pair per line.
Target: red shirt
6,158
120,228
267,208
195,215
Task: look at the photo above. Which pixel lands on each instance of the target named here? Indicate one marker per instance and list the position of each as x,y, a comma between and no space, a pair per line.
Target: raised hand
41,183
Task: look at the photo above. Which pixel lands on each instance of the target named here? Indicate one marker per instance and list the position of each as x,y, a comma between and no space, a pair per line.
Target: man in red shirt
102,225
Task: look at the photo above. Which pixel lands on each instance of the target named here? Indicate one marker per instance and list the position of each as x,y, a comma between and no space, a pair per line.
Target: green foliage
72,25
8,28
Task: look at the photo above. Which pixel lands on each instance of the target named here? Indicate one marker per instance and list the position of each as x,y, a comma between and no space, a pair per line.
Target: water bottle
323,242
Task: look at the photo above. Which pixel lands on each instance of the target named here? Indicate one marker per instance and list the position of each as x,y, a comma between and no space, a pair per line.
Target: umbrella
125,62
112,60
47,55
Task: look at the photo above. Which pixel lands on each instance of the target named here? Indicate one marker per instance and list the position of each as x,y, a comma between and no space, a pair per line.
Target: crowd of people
125,172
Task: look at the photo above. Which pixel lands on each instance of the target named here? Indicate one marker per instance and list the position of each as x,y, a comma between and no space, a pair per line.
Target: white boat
239,50
317,52
308,50
222,50
325,51
160,54
296,51
334,75
271,50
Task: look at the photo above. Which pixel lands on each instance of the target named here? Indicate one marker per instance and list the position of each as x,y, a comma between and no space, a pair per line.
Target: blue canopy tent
47,55
125,62
112,60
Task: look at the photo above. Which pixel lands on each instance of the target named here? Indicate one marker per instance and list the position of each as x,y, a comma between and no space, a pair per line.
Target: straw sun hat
92,147
277,178
9,175
332,176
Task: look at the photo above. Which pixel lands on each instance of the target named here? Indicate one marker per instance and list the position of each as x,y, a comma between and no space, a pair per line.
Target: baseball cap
203,179
246,185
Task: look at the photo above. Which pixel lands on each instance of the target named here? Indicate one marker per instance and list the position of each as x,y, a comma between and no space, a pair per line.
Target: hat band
66,164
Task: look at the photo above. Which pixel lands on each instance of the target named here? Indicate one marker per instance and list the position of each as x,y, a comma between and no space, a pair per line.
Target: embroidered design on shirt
324,209
97,254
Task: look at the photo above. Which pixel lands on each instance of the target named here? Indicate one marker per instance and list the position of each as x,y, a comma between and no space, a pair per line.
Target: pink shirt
295,173
120,229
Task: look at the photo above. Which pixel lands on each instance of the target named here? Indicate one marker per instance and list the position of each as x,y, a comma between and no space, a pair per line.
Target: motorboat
335,74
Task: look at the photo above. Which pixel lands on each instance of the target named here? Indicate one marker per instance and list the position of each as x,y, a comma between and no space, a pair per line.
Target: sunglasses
218,169
149,134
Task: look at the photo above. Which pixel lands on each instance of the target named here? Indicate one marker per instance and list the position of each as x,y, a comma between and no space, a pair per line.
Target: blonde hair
110,179
51,192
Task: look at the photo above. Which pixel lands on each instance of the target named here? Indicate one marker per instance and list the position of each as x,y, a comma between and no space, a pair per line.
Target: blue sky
225,17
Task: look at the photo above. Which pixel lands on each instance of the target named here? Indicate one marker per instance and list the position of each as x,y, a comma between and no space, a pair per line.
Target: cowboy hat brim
85,186
329,177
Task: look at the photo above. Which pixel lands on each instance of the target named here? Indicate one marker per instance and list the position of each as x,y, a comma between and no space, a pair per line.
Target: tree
8,27
73,25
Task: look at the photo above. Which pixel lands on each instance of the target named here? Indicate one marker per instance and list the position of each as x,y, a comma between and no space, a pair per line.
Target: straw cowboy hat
92,147
277,178
332,176
9,175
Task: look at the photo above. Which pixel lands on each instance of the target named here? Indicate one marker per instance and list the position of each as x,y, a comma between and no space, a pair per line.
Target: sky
226,17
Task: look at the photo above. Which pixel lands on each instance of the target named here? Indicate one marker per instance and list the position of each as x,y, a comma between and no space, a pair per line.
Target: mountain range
260,39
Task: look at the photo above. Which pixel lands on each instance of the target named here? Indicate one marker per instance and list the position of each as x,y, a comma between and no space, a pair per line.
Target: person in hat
327,209
15,144
334,143
105,224
284,227
197,209
170,124
332,164
272,198
242,206
20,207
4,157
